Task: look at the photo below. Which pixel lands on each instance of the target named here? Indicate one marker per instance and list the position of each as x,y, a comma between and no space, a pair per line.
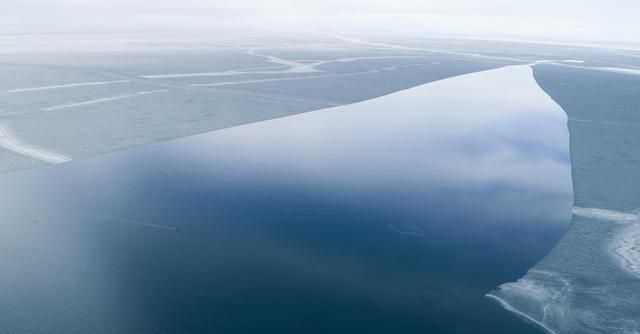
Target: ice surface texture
589,283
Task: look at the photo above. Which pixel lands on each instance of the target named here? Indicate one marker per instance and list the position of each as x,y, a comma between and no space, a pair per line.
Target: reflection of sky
492,128
402,205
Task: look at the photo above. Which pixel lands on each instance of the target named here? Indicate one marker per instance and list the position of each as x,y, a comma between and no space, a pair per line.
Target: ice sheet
84,103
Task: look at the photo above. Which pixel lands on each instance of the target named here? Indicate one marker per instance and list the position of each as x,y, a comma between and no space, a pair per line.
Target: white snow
242,71
602,214
620,70
8,142
102,100
419,49
71,85
626,249
294,67
631,71
380,45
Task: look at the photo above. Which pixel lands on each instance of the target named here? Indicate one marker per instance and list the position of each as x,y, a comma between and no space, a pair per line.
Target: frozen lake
67,97
354,184
393,214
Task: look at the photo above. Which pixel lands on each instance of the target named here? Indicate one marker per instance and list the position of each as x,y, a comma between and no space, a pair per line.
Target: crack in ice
108,218
71,85
102,100
603,214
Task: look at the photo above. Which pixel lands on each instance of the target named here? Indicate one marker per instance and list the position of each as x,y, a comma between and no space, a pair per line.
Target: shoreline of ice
588,282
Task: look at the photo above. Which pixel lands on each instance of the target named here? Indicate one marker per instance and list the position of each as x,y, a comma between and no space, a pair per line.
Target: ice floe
589,282
306,77
290,67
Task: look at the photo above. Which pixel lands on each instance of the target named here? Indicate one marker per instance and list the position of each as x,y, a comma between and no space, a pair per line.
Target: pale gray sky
585,20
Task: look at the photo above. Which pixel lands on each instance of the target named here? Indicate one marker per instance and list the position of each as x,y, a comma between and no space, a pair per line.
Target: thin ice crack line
107,218
231,83
102,100
298,68
71,85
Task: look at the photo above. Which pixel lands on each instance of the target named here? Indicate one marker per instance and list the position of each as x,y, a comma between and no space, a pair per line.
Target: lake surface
393,215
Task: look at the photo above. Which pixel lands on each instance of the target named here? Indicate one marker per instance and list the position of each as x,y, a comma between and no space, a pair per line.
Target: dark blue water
240,232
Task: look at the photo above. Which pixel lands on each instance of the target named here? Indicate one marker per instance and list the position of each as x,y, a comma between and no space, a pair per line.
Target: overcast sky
585,20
